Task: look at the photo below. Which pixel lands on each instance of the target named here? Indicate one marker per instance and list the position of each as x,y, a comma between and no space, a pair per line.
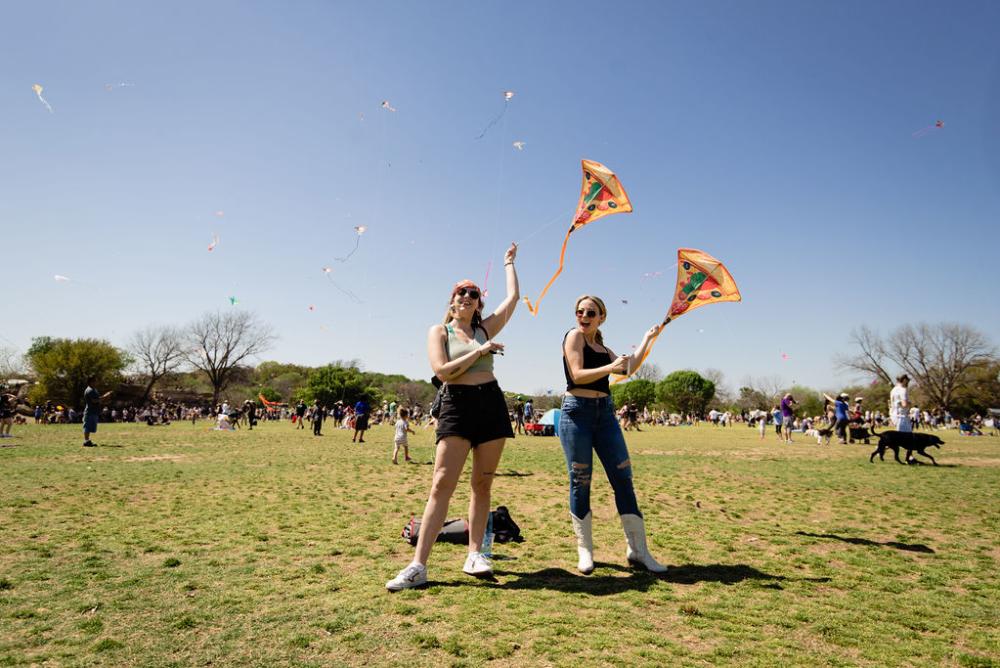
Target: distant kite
922,131
519,145
385,105
214,243
38,91
507,96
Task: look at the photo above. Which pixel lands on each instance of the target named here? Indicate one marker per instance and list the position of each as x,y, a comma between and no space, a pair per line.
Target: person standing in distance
91,410
787,416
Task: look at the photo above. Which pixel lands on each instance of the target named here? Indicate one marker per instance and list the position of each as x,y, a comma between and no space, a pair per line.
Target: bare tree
938,357
156,351
649,371
217,343
11,363
871,358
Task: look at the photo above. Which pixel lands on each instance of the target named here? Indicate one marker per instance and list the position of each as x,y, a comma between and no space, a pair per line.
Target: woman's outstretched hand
508,257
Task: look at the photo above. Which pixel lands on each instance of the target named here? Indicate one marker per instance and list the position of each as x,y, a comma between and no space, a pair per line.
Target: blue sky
777,136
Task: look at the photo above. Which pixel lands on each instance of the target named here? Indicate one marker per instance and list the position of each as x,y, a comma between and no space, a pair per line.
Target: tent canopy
551,417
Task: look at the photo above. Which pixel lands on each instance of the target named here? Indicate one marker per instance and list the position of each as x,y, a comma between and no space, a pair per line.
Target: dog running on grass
909,441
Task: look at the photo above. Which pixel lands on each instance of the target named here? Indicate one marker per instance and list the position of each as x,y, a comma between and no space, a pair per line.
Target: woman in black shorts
473,416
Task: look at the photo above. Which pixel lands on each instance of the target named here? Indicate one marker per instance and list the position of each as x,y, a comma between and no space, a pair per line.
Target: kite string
562,260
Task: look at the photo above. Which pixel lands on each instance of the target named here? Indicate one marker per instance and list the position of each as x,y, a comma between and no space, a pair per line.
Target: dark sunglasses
589,313
472,293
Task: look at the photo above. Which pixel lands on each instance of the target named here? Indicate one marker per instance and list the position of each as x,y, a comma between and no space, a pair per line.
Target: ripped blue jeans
587,426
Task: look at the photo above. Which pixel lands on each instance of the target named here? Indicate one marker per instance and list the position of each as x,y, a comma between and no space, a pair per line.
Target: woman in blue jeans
588,425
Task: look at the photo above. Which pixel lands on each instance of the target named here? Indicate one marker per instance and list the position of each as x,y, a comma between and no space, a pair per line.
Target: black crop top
591,360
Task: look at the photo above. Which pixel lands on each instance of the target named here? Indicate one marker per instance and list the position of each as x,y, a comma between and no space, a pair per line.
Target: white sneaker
478,564
414,575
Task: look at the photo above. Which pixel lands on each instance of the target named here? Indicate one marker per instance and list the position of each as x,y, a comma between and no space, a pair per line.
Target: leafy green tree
331,383
639,391
63,366
810,402
685,392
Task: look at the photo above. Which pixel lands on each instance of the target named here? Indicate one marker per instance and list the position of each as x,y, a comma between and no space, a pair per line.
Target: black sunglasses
473,294
589,313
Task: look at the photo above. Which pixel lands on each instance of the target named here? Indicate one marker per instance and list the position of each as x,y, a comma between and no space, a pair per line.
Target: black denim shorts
477,413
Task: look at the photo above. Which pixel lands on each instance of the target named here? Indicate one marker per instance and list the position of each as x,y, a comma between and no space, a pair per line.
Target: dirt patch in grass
156,458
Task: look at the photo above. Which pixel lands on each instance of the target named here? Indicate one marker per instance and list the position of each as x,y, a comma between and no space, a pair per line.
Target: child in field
402,428
762,425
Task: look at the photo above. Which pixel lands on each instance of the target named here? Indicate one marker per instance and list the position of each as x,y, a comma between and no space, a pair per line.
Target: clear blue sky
775,135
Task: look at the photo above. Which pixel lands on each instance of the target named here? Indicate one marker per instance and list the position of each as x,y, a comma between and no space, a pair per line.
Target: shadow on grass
909,547
511,473
559,579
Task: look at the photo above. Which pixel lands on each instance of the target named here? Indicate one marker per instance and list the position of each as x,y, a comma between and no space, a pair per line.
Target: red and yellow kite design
601,194
701,280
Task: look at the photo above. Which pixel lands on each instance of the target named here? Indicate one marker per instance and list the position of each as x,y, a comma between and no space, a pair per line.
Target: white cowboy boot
584,543
638,553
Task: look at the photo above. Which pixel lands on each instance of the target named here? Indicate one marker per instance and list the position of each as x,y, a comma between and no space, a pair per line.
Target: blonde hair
600,307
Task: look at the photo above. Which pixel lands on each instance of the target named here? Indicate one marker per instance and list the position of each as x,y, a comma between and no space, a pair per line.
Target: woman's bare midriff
586,394
474,378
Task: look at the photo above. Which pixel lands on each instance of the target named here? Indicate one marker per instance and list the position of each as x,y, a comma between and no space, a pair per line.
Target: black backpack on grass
505,530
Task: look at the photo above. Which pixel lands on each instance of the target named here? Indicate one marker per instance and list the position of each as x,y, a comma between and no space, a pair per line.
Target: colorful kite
38,91
233,301
784,357
268,404
601,194
519,145
922,131
215,242
507,96
701,280
387,106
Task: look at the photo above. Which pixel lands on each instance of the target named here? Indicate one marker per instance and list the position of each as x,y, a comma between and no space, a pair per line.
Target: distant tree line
954,367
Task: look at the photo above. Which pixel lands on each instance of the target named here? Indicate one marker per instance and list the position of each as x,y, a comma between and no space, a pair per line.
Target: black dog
859,434
909,441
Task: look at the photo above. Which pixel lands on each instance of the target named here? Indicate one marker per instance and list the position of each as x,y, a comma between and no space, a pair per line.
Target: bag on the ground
505,530
453,531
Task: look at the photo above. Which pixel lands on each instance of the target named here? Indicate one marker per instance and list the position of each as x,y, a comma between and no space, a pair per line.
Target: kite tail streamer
562,259
649,349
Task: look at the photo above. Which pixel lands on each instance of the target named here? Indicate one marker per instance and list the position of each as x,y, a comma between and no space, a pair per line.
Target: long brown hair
600,307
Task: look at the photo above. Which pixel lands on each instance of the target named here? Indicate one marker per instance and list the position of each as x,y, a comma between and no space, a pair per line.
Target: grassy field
180,546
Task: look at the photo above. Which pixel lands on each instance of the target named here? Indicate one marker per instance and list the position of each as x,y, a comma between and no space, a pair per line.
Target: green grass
180,546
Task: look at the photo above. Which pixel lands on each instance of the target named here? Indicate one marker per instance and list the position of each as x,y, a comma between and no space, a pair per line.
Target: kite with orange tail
600,195
701,280
269,404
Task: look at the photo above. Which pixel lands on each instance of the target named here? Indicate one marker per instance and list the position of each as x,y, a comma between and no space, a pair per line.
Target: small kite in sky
215,242
385,105
233,301
38,91
601,194
625,301
123,84
652,274
938,125
312,308
701,280
507,96
329,274
785,357
519,145
220,213
359,230
59,278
